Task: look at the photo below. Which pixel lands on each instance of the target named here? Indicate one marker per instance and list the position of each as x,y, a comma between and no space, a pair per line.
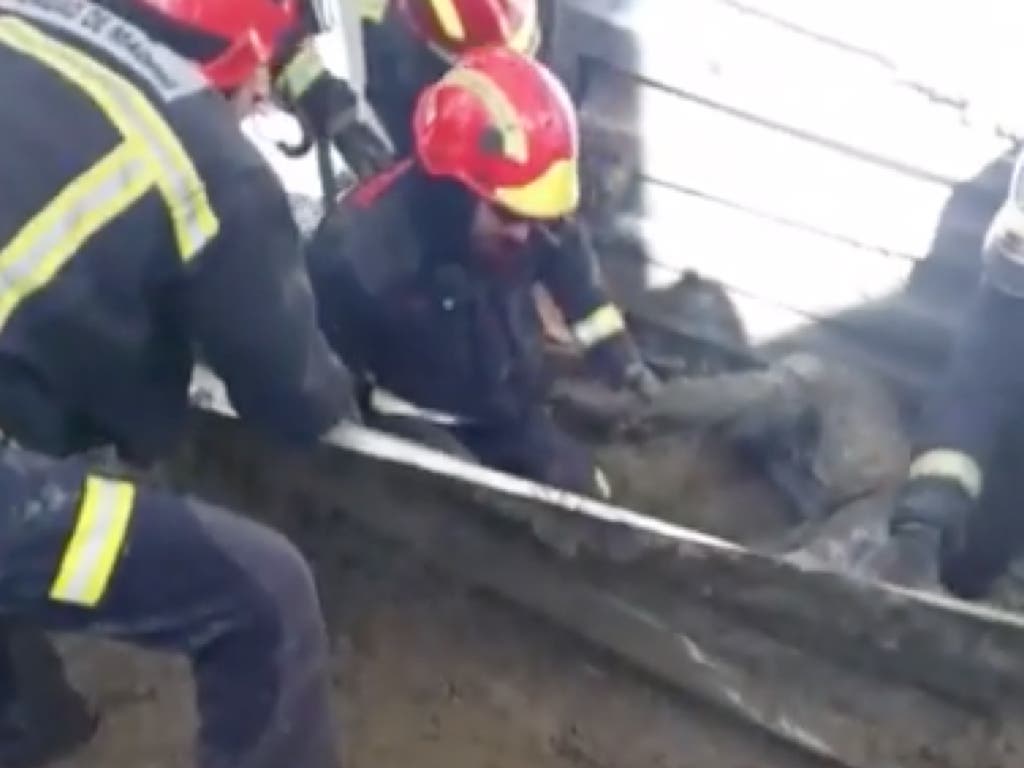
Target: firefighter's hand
310,84
928,526
363,149
643,381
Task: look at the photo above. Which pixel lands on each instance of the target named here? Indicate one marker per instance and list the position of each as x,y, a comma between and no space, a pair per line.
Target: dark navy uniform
398,67
984,384
139,230
405,302
962,499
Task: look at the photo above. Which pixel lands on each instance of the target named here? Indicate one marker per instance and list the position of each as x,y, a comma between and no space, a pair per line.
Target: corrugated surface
834,163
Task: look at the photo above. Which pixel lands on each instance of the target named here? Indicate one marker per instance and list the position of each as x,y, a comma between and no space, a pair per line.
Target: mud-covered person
140,229
963,429
424,276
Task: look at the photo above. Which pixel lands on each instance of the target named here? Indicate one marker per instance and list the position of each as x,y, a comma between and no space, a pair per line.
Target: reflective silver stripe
92,551
952,465
50,238
602,324
169,74
139,123
389,404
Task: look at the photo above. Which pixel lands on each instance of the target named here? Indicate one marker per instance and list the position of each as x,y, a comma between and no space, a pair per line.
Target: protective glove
927,527
328,108
643,381
363,149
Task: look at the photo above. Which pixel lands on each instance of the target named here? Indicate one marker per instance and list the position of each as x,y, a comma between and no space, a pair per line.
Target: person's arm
963,419
344,309
570,271
985,376
253,317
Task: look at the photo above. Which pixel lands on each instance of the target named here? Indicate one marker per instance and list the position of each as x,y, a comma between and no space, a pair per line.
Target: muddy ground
429,672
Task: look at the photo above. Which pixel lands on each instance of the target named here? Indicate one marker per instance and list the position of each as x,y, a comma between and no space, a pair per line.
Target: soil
429,673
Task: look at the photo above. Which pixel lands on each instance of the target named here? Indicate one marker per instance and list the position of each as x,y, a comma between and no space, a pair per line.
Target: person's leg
995,533
42,718
85,553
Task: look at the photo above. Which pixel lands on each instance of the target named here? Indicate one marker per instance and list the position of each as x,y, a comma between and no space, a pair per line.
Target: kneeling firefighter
946,495
424,277
409,44
144,228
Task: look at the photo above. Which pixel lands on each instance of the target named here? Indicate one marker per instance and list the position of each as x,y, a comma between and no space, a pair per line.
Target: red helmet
251,30
503,125
452,27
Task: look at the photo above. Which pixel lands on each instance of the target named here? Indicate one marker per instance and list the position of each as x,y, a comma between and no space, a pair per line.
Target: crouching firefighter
143,227
424,278
410,44
954,490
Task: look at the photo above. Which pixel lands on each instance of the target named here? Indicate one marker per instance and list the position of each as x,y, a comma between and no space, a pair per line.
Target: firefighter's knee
289,581
279,603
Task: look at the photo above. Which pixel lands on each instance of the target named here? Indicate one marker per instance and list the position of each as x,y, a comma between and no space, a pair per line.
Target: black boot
42,718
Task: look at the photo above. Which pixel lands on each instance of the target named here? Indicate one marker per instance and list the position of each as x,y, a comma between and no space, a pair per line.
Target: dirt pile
432,675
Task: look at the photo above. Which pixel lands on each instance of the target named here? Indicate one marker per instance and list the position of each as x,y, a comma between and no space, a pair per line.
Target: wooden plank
777,330
893,678
823,100
907,44
812,273
957,50
813,277
768,171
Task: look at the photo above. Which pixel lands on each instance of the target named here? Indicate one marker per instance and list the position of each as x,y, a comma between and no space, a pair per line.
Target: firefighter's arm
571,272
345,310
964,417
254,320
986,375
314,85
958,435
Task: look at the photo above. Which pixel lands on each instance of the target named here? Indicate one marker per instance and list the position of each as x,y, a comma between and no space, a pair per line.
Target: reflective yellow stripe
91,554
138,122
373,10
449,20
301,72
601,324
951,465
526,38
44,244
500,109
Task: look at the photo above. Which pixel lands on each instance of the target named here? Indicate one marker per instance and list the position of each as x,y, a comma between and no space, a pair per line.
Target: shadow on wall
904,334
907,335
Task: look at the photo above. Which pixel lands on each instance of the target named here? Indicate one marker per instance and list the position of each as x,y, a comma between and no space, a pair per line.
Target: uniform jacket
140,230
403,300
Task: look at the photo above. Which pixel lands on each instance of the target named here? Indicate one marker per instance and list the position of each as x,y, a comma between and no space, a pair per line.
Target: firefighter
409,44
424,278
963,428
143,228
